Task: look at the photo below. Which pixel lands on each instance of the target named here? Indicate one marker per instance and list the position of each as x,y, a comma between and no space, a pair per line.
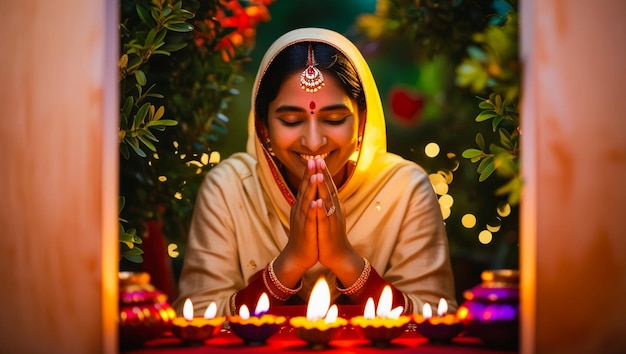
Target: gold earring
268,146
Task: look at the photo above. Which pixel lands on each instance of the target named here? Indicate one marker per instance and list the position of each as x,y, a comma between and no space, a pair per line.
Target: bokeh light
485,237
468,220
432,150
172,250
439,183
446,200
504,209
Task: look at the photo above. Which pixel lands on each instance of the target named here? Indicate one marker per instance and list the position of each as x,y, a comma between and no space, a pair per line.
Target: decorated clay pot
491,309
144,311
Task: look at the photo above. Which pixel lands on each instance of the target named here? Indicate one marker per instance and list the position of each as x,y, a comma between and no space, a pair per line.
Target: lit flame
188,310
384,303
211,311
395,313
244,313
442,309
263,305
384,306
369,313
331,316
319,301
427,311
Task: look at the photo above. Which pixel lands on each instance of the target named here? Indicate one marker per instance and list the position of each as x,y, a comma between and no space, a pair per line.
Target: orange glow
462,313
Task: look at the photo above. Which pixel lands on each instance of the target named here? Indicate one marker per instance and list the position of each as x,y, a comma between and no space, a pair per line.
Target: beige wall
573,244
58,176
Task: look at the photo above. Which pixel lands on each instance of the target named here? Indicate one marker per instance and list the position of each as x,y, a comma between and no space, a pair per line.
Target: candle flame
331,316
263,305
188,310
369,313
395,313
244,313
384,303
211,311
427,311
319,301
442,309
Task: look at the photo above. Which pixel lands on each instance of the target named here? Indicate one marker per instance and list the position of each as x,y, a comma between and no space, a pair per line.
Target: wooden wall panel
573,259
58,179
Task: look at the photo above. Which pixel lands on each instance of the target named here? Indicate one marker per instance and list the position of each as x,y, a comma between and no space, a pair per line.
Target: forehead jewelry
311,78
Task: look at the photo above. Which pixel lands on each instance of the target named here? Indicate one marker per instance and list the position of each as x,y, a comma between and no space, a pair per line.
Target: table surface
347,341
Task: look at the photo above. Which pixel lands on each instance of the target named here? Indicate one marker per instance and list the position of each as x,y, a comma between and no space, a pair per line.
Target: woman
316,194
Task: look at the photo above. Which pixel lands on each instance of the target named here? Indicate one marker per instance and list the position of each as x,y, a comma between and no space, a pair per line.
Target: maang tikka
311,78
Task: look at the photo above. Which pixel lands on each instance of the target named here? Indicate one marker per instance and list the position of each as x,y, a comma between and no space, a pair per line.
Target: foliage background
435,63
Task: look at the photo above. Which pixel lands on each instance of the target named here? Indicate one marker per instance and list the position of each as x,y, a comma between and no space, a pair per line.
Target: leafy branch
144,34
492,65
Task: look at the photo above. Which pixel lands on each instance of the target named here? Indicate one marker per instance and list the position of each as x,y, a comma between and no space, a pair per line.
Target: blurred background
447,72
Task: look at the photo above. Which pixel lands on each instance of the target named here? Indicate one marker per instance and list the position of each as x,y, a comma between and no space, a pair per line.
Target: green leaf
496,121
121,201
480,141
141,115
162,52
147,143
486,104
124,151
162,122
179,27
505,139
144,16
140,76
483,164
173,47
471,153
485,115
487,170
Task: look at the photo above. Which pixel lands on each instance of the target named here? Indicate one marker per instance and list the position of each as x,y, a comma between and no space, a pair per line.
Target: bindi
312,106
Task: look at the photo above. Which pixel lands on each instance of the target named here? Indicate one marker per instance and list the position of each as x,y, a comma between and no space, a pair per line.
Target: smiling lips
312,157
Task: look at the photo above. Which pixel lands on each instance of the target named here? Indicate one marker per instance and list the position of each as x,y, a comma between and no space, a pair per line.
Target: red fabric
347,341
156,261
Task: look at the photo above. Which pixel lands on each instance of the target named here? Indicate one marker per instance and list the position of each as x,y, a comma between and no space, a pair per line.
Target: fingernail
322,163
311,164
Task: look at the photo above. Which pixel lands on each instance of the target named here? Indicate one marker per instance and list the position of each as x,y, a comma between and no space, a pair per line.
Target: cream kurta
241,218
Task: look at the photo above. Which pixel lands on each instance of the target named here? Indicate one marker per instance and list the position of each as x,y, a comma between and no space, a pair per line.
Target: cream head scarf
372,155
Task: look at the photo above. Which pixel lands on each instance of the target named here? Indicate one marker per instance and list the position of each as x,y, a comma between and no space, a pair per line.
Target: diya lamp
321,323
382,324
256,329
195,330
440,328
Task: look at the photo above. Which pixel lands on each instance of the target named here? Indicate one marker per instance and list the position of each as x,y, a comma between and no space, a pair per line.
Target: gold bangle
360,282
269,289
233,306
277,283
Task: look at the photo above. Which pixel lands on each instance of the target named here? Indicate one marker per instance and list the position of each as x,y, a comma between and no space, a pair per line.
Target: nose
313,137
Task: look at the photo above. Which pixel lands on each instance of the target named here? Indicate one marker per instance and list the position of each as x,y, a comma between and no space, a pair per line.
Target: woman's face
304,125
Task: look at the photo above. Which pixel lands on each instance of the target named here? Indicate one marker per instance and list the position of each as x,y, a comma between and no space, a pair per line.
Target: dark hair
293,59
